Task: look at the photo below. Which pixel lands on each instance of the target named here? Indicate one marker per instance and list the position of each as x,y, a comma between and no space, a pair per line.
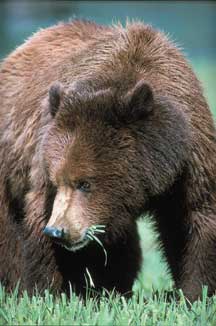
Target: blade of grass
90,278
91,234
93,237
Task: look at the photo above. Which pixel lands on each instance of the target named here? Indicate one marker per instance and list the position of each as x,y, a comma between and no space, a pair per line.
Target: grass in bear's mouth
92,235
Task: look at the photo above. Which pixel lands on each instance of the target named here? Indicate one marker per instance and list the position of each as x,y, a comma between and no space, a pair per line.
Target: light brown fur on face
68,213
121,109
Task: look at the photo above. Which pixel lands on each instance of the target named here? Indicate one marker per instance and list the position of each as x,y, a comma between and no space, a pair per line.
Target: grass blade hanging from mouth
91,234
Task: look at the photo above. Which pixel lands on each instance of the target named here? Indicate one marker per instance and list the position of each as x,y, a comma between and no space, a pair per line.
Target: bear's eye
83,186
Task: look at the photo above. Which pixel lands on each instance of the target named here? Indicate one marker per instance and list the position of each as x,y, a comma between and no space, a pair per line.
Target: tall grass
112,310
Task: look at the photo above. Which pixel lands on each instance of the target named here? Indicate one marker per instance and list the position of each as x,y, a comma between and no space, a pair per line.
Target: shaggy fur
128,113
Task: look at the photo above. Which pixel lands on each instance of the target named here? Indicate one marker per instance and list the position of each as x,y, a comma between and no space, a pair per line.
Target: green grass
144,308
108,311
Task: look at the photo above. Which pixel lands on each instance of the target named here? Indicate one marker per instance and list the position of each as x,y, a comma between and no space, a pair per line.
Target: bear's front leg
40,267
199,258
189,242
11,259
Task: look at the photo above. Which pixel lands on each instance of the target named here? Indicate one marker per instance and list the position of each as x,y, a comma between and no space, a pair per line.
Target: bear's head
108,152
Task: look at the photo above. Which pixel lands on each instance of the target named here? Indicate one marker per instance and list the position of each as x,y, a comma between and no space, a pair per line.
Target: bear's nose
54,232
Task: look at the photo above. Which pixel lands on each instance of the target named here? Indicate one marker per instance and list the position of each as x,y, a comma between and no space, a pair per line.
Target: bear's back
111,56
26,75
79,50
44,49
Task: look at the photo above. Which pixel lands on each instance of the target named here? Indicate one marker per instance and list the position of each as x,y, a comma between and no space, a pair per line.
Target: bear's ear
55,96
138,102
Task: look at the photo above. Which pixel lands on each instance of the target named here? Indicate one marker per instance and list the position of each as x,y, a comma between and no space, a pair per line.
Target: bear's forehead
95,100
87,109
90,153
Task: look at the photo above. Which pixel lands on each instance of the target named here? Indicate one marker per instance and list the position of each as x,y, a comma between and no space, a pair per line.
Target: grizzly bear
98,126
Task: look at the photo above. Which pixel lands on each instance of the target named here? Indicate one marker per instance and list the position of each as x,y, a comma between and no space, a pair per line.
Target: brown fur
145,153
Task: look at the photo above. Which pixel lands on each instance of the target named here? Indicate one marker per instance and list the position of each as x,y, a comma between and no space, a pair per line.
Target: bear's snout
53,232
61,237
58,235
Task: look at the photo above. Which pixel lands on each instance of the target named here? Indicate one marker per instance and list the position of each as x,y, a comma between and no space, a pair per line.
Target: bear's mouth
73,246
62,238
70,245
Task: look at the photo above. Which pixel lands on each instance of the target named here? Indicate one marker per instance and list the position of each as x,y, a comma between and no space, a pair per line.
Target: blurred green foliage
190,23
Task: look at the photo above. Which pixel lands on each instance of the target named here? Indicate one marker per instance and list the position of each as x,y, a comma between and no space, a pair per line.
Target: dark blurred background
191,24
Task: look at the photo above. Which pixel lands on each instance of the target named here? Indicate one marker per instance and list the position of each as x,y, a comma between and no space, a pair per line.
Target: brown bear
99,125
